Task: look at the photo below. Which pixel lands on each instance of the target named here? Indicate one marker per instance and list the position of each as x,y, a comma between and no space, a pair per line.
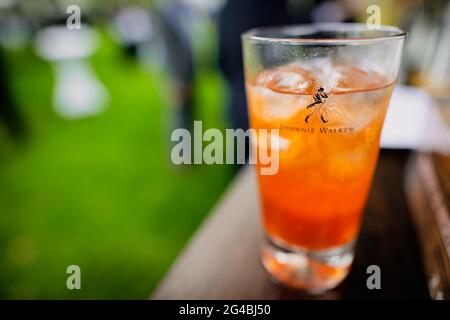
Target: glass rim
289,34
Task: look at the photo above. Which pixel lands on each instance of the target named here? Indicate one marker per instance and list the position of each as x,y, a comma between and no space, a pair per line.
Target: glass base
312,271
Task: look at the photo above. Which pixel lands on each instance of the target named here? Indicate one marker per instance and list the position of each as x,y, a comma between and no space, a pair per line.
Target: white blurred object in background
404,126
78,92
414,122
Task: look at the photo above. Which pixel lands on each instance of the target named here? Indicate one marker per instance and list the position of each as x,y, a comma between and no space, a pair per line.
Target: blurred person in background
14,32
8,109
175,17
160,36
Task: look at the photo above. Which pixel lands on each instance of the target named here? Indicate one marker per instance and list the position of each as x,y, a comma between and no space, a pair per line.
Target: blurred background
86,117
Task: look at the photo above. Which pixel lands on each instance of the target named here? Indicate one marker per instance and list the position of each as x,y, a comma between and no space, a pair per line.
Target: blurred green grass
99,192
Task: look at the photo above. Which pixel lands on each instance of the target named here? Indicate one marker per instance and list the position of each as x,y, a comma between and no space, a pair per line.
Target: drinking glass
326,89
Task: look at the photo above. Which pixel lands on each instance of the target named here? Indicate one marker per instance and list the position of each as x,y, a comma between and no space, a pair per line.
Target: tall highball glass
326,88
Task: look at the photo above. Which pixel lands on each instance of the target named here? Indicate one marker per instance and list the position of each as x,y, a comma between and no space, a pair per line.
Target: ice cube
327,74
270,105
289,82
354,110
322,71
291,79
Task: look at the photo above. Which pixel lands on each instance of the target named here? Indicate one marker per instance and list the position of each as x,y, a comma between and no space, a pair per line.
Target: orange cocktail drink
326,156
323,92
